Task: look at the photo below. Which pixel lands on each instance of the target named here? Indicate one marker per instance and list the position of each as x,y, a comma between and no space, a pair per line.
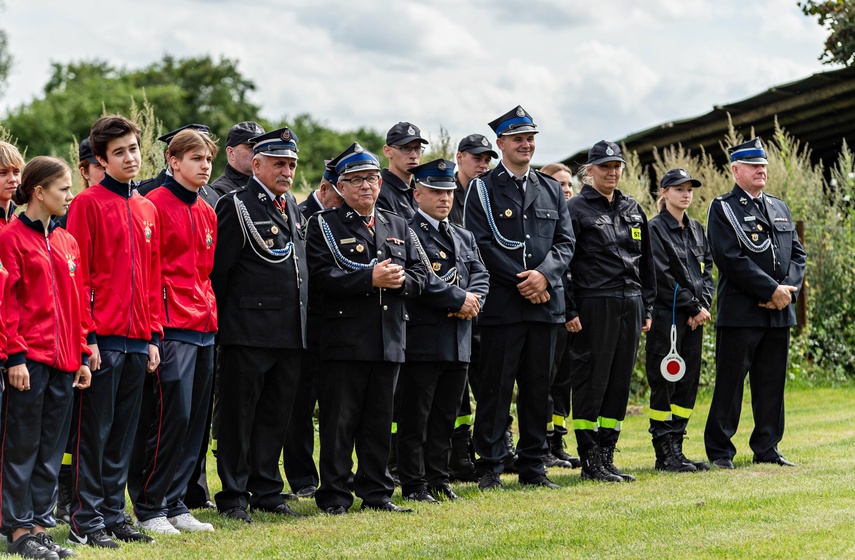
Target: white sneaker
189,524
157,525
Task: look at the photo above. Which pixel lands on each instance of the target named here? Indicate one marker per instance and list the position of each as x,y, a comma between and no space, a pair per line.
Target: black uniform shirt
396,195
612,248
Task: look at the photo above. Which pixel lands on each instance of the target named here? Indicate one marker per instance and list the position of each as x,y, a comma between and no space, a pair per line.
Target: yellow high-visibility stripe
550,427
559,421
660,415
680,411
610,423
579,424
463,421
66,459
394,427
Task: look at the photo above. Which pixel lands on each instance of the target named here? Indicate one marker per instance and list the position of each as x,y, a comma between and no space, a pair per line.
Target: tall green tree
838,16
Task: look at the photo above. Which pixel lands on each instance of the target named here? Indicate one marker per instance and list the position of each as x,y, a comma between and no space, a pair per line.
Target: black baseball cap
476,144
201,128
677,177
603,152
243,132
84,151
403,133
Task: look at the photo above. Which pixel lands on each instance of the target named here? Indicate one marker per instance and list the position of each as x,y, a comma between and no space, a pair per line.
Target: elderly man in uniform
761,268
239,155
474,154
365,264
439,335
404,148
260,278
523,230
297,460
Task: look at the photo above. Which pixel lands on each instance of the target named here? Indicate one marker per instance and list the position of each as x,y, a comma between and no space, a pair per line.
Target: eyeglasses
406,150
372,180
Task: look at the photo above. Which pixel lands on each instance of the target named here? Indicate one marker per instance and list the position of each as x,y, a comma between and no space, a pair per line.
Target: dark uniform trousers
182,392
35,430
750,338
430,391
355,400
260,383
518,338
559,389
676,398
104,422
297,456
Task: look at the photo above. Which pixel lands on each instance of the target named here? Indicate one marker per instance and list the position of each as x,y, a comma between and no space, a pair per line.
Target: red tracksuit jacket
188,237
119,260
46,308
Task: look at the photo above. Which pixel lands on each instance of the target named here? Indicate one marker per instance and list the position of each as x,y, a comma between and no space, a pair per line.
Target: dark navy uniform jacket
396,195
260,303
310,206
230,180
433,336
746,277
456,215
681,256
313,339
613,256
543,223
361,322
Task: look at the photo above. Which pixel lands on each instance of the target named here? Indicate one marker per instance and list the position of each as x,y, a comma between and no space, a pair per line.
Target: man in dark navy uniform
474,154
520,221
259,278
239,154
439,335
761,267
297,453
146,186
404,148
365,264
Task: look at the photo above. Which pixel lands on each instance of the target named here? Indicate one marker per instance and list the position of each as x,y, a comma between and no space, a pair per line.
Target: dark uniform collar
37,225
183,193
671,221
117,187
393,180
591,193
3,215
236,176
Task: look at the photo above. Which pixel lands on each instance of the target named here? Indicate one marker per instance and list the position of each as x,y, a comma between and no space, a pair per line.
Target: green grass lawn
755,511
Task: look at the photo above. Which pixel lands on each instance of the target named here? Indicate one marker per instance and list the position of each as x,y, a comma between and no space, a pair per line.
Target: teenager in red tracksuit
119,270
45,317
11,164
187,232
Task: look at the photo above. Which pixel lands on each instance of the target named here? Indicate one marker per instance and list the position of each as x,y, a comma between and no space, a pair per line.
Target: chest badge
755,237
436,266
636,233
759,227
269,243
442,255
72,266
743,201
360,248
424,226
209,238
274,230
147,230
509,213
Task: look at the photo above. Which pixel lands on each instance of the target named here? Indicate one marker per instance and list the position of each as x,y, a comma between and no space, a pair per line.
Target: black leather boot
665,459
677,449
557,446
460,465
592,466
607,456
511,459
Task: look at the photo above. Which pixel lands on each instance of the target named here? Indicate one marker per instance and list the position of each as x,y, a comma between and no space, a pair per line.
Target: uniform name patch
749,218
348,240
636,233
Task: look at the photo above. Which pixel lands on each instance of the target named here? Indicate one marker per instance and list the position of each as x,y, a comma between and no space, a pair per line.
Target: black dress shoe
281,509
490,481
777,461
289,496
421,496
443,492
237,513
540,481
723,463
306,491
335,510
386,506
207,504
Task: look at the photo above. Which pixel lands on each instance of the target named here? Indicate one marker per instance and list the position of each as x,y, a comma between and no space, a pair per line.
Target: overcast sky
585,70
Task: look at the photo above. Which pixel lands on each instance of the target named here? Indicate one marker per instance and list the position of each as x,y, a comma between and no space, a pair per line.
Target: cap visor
753,161
606,160
445,186
408,139
520,130
694,182
482,150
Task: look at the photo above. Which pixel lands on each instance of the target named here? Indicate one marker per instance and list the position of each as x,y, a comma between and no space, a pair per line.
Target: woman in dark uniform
609,303
48,356
684,291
